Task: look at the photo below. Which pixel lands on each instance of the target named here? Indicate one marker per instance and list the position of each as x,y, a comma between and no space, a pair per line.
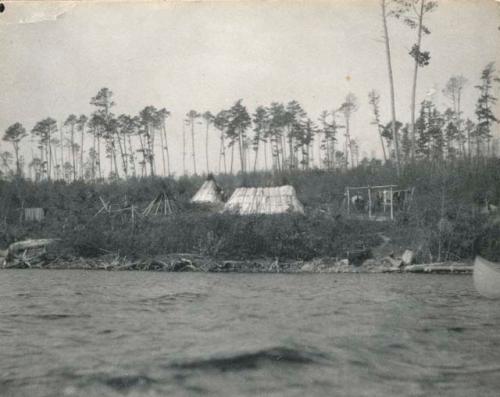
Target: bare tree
412,13
261,125
347,109
209,119
486,101
81,123
163,115
453,91
71,122
185,122
221,122
383,4
374,100
192,116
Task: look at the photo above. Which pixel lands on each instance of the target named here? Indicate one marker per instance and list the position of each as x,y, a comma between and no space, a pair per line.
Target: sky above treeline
206,55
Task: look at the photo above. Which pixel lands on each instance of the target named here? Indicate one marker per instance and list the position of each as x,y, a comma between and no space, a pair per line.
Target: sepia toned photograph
250,198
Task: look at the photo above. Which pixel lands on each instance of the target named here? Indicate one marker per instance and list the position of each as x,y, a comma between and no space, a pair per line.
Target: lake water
91,333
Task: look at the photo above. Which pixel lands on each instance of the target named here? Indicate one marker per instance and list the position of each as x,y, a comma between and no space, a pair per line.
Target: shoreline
203,264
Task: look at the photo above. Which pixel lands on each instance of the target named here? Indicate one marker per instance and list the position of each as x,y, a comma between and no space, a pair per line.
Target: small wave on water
121,383
187,297
254,359
186,371
48,316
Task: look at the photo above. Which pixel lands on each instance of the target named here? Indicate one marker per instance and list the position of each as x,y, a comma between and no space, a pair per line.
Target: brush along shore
32,255
451,217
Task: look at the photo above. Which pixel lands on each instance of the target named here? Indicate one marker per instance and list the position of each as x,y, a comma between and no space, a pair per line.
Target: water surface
91,333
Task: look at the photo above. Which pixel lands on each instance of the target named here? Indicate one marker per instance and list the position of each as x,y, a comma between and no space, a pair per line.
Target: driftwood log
29,244
16,252
439,268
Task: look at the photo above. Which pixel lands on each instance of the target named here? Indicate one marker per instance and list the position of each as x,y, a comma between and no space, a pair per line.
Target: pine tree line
443,134
279,136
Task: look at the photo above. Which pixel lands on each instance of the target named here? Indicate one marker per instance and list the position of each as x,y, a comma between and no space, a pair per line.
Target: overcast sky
205,56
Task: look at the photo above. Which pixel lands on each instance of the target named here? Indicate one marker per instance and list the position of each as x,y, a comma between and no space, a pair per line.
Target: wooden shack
34,214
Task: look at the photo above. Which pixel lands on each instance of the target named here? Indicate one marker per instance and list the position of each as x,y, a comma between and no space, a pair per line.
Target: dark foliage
445,221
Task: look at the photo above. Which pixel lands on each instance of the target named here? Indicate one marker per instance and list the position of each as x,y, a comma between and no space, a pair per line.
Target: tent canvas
264,200
209,193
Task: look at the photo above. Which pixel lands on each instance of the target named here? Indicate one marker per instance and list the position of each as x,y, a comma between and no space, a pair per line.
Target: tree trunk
16,153
488,135
275,151
144,162
242,154
153,156
99,167
151,152
469,145
256,157
162,143
94,156
131,156
414,85
113,156
125,153
281,153
232,159
53,160
166,147
73,150
122,156
183,148
81,153
206,146
49,168
283,148
110,158
391,85
265,154
192,147
62,149
382,143
222,153
348,132
327,152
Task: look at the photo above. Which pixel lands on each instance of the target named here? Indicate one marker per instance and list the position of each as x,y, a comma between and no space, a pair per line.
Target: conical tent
209,193
264,200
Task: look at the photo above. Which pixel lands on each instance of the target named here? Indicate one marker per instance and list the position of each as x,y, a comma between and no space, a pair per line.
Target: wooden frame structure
388,192
161,205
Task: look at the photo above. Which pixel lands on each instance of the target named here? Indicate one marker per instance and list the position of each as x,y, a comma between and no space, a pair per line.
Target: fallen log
29,244
415,268
439,268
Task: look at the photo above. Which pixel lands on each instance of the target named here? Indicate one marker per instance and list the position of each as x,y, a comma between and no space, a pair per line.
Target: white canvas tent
264,200
209,193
